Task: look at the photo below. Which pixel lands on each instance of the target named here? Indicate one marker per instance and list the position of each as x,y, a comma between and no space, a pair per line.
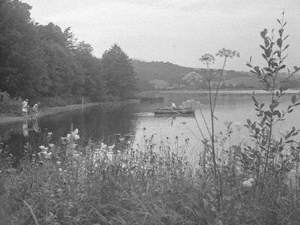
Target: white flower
58,162
47,155
76,137
103,146
111,147
60,169
122,139
76,155
110,156
43,148
248,183
51,145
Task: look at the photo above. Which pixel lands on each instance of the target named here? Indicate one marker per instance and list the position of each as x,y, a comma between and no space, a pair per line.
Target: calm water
138,120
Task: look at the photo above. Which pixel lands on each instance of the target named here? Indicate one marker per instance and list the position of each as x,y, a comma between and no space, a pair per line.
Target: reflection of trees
94,123
23,141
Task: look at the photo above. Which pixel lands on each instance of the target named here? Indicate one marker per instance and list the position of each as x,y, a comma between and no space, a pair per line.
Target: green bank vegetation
45,63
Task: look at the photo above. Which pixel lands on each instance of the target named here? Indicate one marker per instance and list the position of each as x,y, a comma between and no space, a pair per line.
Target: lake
138,121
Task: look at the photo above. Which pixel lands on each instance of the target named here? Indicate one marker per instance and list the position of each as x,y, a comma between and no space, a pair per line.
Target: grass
99,184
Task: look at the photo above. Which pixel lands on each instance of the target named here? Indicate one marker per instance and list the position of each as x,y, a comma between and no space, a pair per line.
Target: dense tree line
46,61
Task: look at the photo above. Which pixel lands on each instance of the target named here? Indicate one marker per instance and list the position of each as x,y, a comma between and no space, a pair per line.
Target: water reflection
96,123
136,121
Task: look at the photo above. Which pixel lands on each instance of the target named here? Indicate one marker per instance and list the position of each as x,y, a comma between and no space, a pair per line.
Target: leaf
279,21
277,113
296,68
281,32
286,47
279,42
268,113
263,33
286,37
281,67
249,65
254,100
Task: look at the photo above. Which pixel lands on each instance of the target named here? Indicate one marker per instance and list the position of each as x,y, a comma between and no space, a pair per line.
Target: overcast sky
178,31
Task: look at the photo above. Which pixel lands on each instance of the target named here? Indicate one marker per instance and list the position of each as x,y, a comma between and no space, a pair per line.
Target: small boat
174,111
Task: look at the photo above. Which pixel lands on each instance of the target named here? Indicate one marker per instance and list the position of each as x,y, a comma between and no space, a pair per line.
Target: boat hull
174,112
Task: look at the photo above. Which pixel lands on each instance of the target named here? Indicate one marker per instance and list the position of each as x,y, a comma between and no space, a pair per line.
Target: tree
118,73
93,85
20,57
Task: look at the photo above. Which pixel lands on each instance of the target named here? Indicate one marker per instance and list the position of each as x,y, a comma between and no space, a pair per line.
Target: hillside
160,70
166,75
151,72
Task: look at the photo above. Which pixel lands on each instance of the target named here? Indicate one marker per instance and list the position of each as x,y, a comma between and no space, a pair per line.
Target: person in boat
173,106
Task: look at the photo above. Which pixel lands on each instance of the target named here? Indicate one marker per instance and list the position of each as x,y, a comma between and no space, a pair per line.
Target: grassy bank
98,184
46,111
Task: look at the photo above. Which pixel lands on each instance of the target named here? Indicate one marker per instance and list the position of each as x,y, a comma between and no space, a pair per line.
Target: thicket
39,61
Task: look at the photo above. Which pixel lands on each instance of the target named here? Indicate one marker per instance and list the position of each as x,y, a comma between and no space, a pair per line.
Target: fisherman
25,107
35,109
174,105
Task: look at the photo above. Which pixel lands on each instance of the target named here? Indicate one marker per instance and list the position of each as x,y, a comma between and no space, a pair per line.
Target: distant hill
151,72
161,74
160,70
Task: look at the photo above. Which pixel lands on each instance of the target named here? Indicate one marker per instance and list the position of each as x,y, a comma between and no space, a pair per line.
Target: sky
177,31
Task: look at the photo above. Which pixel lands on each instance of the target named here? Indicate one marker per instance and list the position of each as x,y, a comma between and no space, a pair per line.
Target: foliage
266,164
118,72
48,62
272,157
121,184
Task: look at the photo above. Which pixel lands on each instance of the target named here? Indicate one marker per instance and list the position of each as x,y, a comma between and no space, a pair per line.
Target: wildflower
58,162
43,148
60,170
51,145
207,58
47,155
122,139
111,147
248,183
103,146
76,155
228,53
49,134
110,156
75,134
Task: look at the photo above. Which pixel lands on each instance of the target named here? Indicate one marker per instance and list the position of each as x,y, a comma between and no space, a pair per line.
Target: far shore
221,92
58,109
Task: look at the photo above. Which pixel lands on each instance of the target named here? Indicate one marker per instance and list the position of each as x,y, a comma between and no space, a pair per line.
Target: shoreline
48,111
221,92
